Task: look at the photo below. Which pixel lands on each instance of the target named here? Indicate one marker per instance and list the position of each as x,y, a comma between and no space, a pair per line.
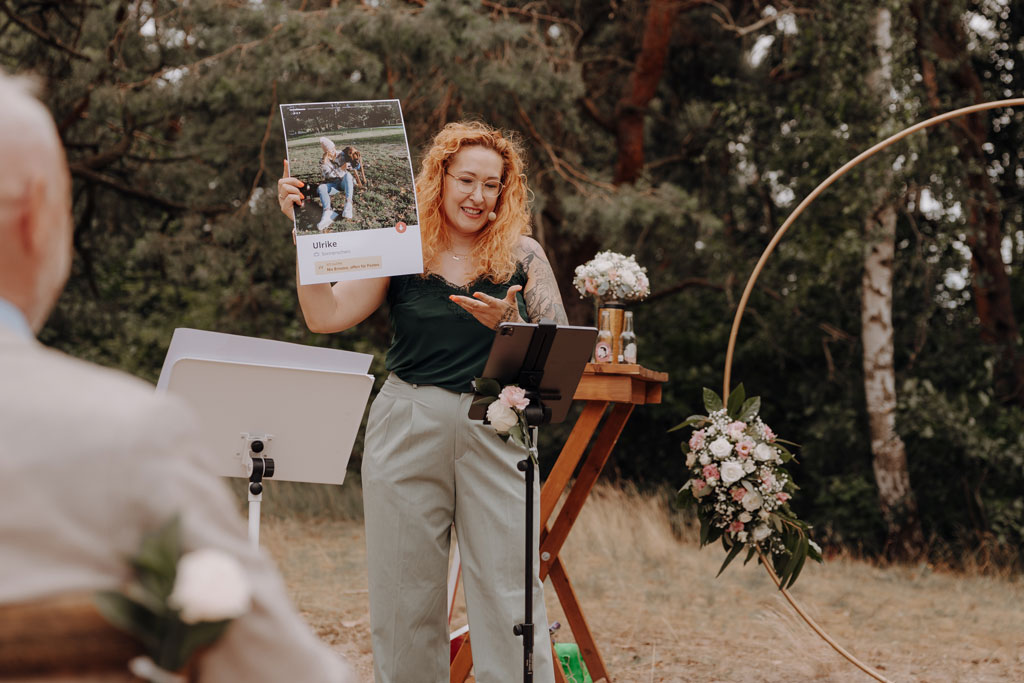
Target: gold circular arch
863,156
741,307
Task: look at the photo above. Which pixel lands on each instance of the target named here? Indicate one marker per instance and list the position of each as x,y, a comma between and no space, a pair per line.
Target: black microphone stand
536,414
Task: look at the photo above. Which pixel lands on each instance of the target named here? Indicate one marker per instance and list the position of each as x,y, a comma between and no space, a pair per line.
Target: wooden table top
620,383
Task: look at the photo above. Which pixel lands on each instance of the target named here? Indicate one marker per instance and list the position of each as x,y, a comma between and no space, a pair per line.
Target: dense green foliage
169,112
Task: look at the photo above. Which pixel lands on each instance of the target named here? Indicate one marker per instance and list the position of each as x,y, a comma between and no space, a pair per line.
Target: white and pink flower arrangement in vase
741,488
611,276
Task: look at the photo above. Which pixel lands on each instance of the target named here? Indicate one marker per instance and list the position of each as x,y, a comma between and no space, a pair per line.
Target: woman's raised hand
288,193
489,310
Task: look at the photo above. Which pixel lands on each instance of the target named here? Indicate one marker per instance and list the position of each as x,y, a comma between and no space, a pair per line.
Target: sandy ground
659,614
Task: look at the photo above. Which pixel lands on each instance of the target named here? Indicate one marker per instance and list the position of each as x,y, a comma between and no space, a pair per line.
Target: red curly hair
498,242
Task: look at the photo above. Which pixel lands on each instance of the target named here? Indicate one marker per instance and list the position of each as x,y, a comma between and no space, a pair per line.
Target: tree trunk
940,35
642,84
905,539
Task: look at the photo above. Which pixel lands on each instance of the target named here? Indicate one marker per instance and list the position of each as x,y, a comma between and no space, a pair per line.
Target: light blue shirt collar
13,319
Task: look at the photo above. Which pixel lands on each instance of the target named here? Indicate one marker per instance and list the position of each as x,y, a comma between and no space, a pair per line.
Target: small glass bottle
603,347
627,340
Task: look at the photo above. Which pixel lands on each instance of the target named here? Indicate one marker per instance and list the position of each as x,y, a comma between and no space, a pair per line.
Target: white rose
764,452
742,537
752,500
731,471
761,532
745,517
210,586
748,466
704,459
720,447
501,417
764,514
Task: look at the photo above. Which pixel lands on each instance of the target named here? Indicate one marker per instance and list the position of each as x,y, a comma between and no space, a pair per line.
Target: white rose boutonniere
210,586
177,602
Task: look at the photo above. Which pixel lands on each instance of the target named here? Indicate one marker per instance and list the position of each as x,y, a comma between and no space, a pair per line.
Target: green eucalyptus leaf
736,548
801,557
487,386
485,400
787,571
751,407
712,401
736,399
705,530
690,421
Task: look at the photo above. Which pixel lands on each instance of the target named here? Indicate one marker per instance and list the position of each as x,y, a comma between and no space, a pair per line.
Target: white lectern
269,408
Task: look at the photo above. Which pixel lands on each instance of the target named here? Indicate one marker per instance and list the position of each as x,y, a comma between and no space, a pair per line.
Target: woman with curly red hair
426,465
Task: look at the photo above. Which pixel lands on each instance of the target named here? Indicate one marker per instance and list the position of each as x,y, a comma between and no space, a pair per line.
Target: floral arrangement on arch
177,602
612,276
741,488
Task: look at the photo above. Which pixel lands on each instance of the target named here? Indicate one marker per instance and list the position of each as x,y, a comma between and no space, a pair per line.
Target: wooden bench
63,640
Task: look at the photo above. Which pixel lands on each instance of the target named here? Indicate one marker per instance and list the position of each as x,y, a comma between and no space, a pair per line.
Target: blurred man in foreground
90,458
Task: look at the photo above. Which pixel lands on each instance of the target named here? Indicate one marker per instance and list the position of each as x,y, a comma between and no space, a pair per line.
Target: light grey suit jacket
90,458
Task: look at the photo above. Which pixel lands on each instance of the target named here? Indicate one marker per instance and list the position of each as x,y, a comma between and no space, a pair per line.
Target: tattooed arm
542,297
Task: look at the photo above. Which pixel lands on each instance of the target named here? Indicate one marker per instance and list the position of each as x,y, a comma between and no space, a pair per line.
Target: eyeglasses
467,185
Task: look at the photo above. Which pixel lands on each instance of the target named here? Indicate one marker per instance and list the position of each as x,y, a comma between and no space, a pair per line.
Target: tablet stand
541,388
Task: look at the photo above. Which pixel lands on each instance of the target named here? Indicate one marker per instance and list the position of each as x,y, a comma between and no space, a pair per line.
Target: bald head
35,204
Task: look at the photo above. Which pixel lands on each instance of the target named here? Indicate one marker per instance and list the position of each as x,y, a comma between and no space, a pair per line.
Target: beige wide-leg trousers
425,465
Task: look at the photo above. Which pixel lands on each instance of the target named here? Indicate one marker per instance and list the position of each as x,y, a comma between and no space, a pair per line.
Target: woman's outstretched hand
491,311
288,193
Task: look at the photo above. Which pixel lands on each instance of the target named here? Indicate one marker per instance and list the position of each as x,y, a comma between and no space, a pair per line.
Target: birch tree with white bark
896,497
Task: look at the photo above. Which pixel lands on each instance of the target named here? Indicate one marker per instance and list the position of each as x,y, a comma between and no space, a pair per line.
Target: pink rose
738,493
698,485
589,285
735,429
745,447
769,435
514,397
736,527
782,496
768,479
697,440
710,472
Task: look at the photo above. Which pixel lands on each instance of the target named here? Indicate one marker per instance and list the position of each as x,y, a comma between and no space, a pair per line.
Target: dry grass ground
659,614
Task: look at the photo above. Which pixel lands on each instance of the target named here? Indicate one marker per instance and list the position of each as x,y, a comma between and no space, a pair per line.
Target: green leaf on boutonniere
128,616
487,386
156,564
712,401
485,400
516,432
198,636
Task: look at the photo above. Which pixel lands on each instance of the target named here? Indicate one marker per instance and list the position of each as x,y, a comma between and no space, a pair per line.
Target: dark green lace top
436,341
